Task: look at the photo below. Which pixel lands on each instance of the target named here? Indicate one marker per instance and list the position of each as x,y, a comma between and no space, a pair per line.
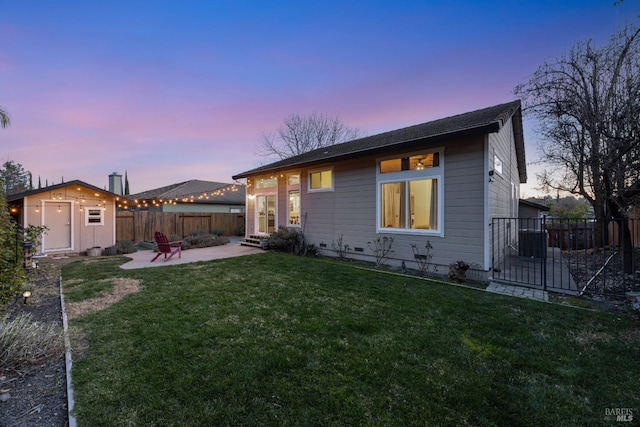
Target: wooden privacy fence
140,226
584,234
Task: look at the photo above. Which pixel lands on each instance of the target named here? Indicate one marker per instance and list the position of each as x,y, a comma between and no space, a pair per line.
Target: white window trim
412,175
320,190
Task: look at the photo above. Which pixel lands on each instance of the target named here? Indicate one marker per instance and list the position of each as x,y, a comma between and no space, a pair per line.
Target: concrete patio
142,259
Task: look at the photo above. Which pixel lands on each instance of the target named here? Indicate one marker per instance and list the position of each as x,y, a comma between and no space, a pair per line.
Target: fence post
545,254
492,245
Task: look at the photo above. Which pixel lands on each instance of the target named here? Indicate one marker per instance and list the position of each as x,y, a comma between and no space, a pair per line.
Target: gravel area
37,395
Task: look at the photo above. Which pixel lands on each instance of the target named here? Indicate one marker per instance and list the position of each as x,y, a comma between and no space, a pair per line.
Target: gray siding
501,201
349,210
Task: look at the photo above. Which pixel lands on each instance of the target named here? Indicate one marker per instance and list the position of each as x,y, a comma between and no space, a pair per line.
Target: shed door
57,218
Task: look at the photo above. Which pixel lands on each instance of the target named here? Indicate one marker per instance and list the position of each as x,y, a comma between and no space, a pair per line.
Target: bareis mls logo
618,414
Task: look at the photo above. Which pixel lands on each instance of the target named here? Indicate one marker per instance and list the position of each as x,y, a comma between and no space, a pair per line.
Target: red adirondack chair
166,247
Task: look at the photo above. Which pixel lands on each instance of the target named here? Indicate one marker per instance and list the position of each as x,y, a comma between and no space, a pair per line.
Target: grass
274,339
25,344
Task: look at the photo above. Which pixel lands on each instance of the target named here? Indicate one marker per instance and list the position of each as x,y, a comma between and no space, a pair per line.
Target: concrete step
255,241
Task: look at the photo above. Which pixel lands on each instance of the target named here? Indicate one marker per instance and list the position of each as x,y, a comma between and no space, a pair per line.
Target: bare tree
4,118
299,134
587,104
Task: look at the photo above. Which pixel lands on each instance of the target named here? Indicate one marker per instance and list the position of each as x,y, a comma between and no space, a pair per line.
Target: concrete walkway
142,259
518,291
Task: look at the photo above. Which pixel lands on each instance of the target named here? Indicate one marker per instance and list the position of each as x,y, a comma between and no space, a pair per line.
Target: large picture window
410,193
411,204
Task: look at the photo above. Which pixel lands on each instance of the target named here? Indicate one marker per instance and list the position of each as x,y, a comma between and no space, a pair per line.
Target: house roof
487,120
76,182
196,191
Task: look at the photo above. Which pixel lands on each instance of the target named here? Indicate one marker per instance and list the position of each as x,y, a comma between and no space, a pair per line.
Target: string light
188,198
82,200
67,195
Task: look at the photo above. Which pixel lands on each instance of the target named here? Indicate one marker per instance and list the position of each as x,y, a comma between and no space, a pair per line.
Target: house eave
406,144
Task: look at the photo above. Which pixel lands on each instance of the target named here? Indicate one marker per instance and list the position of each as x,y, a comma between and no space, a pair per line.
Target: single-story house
78,216
440,182
190,196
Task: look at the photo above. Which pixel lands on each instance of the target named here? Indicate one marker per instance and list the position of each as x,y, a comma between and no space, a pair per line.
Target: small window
293,179
266,183
497,164
321,180
94,216
415,162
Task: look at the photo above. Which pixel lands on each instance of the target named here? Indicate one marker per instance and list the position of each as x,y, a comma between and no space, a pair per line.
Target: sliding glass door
266,214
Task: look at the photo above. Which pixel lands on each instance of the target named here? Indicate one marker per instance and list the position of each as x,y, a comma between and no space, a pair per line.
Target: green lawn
274,339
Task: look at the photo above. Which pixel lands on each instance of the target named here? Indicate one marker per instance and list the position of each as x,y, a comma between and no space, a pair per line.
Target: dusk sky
177,90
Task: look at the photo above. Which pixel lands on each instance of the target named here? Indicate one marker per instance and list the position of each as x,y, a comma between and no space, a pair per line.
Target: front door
57,218
266,214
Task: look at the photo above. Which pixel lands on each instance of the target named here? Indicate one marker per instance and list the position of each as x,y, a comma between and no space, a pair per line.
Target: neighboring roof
18,196
534,205
196,191
487,120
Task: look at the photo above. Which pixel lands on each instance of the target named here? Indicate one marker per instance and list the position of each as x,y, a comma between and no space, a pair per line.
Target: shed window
94,216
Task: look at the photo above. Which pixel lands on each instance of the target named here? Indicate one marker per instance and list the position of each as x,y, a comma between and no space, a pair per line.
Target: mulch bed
611,282
37,396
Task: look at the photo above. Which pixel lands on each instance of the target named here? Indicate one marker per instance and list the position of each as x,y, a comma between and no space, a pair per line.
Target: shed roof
535,205
484,121
73,183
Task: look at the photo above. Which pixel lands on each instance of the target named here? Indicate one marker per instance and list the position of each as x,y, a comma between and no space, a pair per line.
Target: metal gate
574,256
